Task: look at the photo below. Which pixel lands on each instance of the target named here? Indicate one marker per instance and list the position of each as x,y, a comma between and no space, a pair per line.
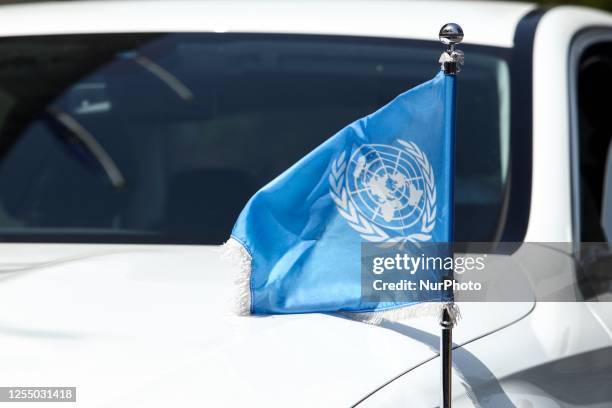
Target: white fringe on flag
425,309
240,259
237,255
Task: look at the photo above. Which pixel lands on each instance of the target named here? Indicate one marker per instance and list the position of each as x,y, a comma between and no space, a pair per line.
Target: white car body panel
152,326
551,126
552,331
491,24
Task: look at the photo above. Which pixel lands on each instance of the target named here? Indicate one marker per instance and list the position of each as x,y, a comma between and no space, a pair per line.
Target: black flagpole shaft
450,35
446,355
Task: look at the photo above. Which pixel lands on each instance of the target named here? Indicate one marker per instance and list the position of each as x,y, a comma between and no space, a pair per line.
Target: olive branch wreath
369,230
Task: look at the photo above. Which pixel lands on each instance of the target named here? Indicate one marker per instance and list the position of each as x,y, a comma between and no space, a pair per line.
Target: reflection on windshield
163,138
87,141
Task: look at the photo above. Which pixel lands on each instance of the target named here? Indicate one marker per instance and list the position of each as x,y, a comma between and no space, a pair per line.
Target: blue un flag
385,179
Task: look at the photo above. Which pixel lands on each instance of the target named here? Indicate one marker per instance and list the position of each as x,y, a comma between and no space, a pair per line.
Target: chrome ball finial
451,60
451,34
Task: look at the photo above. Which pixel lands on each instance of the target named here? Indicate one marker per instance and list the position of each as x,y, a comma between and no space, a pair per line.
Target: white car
133,132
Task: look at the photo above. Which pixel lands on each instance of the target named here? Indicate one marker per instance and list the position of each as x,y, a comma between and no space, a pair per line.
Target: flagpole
450,35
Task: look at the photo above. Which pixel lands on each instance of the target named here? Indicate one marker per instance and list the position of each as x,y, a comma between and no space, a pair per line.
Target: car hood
151,326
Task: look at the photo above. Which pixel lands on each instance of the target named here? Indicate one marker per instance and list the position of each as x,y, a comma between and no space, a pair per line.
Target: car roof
485,23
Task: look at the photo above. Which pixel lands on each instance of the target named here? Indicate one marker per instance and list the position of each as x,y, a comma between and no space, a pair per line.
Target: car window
593,172
164,137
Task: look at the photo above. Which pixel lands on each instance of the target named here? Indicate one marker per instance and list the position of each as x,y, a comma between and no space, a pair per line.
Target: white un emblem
386,193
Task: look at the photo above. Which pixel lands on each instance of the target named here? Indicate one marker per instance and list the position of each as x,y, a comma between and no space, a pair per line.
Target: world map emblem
386,193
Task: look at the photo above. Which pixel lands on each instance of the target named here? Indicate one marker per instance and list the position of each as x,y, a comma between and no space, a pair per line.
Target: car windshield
162,138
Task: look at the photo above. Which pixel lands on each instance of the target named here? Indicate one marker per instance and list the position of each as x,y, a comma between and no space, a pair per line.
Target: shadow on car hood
132,325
